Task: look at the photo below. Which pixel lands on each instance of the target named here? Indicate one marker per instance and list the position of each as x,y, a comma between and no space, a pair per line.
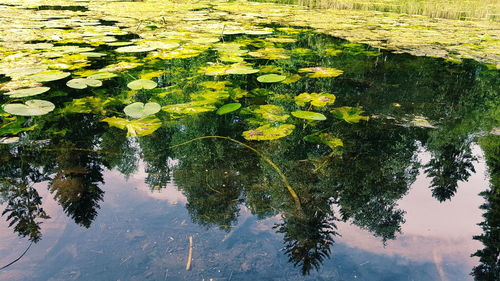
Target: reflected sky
141,233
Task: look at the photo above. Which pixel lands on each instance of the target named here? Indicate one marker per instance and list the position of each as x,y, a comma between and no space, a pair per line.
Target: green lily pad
227,108
349,114
188,108
242,70
49,76
136,49
268,132
28,92
93,54
309,115
142,84
319,100
140,110
82,83
29,108
102,76
325,138
9,140
271,78
140,127
321,72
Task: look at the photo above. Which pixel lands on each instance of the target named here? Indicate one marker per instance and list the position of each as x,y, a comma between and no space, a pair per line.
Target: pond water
268,152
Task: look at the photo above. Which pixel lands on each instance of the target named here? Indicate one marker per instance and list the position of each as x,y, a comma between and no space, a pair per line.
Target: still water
281,153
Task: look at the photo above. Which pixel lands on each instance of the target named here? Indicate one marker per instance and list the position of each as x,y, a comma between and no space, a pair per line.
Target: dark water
400,200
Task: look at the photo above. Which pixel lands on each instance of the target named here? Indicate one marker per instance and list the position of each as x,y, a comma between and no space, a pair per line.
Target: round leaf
82,83
142,84
308,115
271,78
28,92
136,49
102,76
29,108
227,108
242,70
140,110
49,76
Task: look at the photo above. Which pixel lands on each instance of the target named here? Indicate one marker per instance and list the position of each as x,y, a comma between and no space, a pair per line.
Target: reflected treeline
489,256
360,182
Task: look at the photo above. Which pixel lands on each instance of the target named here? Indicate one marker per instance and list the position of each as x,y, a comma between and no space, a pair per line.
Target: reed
450,9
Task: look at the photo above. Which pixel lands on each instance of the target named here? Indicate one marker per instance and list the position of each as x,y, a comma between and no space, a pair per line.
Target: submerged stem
264,157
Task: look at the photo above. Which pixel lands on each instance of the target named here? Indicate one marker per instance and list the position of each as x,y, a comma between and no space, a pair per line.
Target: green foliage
140,127
349,114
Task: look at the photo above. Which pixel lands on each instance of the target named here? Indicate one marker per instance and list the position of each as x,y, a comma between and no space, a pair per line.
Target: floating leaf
9,140
420,121
349,114
28,92
142,84
281,40
319,100
139,127
102,76
325,138
271,112
29,108
140,110
227,108
82,83
292,79
321,72
309,115
267,132
242,70
93,54
49,76
270,53
188,108
271,78
136,49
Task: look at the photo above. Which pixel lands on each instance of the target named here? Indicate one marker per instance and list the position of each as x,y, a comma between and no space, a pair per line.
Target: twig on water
190,253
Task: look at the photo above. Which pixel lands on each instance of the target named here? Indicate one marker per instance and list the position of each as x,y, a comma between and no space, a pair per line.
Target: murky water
284,154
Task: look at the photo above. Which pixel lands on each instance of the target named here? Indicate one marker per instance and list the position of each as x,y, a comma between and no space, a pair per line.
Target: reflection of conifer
308,238
75,185
23,209
451,163
489,257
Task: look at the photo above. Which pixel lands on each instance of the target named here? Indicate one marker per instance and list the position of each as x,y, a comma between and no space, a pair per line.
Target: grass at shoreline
457,9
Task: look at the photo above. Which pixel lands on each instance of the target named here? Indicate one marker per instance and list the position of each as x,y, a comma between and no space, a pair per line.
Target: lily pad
188,108
9,140
321,72
102,76
349,114
28,92
136,49
140,127
242,70
82,83
140,110
227,108
271,78
142,84
268,132
309,115
319,100
49,76
29,108
325,138
93,54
